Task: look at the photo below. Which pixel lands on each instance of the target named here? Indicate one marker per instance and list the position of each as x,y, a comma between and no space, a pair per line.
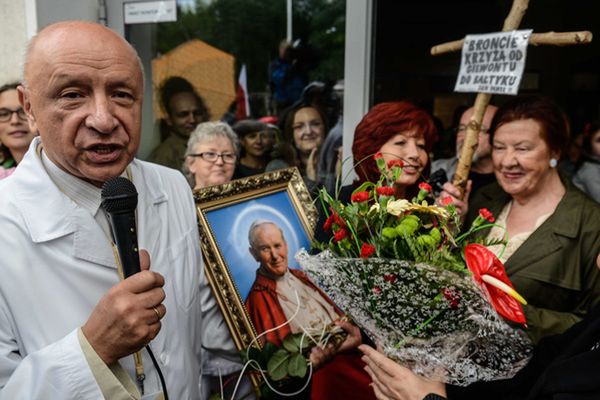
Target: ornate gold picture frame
225,213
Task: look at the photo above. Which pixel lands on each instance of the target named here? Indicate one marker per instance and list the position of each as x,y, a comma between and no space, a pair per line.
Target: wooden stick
536,39
481,102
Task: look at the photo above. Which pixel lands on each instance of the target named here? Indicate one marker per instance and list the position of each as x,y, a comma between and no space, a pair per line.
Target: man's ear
25,101
168,121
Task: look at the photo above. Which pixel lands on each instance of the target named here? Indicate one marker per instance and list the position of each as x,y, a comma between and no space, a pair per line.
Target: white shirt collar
81,192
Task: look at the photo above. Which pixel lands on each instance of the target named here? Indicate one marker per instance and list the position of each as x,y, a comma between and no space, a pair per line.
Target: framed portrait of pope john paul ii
273,210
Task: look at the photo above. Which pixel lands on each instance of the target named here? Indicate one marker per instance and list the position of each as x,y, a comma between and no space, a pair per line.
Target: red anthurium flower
359,197
425,186
452,295
486,214
395,163
367,250
378,155
376,290
385,191
340,235
391,278
446,200
481,261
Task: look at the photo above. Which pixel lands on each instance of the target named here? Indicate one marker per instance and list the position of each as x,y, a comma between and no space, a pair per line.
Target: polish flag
243,106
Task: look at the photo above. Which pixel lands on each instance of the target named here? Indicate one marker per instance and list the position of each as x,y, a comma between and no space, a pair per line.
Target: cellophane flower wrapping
435,321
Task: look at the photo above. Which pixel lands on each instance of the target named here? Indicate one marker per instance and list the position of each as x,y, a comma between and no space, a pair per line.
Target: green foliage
251,30
407,230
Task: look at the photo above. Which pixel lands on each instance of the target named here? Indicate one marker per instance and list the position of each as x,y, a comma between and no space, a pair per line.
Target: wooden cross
512,22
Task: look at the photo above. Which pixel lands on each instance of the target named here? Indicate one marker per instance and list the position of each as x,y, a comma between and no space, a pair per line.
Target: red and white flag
243,106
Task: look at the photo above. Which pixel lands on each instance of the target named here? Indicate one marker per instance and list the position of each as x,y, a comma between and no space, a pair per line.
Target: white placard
493,62
142,12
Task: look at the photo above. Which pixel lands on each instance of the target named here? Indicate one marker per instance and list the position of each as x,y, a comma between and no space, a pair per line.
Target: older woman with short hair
211,155
552,227
210,159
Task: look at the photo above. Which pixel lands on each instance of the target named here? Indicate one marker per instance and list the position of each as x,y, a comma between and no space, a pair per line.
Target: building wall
13,37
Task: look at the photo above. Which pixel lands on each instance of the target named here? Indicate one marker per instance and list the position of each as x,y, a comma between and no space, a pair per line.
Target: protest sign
493,62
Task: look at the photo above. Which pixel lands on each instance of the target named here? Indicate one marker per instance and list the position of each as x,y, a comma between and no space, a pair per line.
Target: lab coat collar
49,214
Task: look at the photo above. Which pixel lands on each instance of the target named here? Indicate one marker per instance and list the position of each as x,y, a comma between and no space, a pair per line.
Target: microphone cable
160,374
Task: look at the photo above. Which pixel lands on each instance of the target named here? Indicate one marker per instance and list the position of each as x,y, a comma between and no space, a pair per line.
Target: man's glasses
211,156
6,114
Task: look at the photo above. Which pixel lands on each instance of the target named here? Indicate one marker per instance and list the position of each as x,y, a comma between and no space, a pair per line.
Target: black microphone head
119,195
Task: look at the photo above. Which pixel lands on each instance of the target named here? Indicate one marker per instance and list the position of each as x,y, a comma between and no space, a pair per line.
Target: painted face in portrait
212,162
14,133
410,148
309,129
185,114
521,158
270,249
84,97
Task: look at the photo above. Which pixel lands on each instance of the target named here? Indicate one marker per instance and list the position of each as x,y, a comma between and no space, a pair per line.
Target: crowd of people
71,328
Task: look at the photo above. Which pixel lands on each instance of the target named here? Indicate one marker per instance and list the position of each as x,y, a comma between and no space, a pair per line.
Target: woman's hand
461,204
311,164
321,355
392,381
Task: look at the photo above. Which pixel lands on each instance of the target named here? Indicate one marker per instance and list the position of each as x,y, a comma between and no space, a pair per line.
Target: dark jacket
563,367
555,268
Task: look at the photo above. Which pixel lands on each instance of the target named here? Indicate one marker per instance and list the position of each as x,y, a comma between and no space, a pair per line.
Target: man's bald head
59,33
83,95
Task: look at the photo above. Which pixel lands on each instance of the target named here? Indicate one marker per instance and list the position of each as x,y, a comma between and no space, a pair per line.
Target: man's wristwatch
433,396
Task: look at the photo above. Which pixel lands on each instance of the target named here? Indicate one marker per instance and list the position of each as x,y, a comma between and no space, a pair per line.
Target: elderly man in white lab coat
68,326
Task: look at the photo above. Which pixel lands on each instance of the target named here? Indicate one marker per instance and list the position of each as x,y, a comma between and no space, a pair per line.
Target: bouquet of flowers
434,300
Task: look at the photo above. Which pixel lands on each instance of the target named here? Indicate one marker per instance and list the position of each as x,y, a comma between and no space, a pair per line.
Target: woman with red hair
399,131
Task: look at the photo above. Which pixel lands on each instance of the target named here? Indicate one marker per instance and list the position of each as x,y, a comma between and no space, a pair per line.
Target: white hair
257,224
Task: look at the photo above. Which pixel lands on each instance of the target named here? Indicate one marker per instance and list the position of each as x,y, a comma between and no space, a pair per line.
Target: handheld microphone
119,200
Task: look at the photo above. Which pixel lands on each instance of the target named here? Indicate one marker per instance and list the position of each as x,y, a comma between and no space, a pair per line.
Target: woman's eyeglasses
6,114
211,156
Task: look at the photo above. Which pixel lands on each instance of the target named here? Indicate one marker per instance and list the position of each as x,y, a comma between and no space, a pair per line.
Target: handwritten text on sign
493,62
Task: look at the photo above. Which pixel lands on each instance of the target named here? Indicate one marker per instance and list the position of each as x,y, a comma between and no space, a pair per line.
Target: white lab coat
56,264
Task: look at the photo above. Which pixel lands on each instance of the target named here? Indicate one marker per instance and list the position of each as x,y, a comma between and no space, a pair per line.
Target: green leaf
267,352
364,187
298,366
292,342
278,365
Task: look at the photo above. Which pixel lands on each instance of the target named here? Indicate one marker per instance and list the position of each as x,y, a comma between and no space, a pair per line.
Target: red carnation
328,222
447,200
391,278
340,235
360,197
486,214
367,250
395,163
385,191
425,186
339,220
378,155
